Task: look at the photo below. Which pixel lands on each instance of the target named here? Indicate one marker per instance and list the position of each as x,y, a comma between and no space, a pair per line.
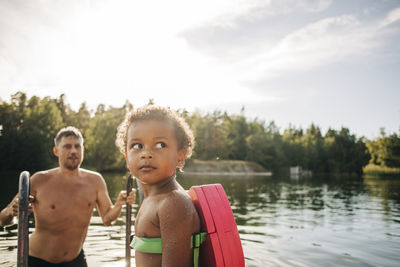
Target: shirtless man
64,199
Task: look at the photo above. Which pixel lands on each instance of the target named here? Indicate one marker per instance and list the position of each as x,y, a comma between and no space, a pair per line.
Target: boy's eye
137,146
160,145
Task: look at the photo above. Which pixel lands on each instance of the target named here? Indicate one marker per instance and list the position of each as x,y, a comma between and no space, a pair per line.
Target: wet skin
167,211
64,199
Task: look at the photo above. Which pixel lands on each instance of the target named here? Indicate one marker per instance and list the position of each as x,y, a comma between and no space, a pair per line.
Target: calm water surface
282,222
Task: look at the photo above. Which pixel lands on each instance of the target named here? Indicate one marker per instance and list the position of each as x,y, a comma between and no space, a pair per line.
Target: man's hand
13,206
123,198
31,200
9,212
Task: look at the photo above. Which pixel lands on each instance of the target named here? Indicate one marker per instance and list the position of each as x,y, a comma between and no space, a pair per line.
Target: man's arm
8,213
107,211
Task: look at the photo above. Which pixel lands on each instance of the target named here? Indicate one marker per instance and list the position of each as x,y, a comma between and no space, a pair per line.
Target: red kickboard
222,246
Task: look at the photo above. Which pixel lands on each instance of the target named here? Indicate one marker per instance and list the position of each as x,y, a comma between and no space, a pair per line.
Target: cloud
145,49
323,42
391,18
90,40
243,27
230,13
259,51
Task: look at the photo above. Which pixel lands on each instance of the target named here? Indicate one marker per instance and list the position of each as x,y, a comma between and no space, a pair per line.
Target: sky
332,63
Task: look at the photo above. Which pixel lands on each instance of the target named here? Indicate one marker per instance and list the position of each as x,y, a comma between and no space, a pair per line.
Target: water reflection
315,221
341,221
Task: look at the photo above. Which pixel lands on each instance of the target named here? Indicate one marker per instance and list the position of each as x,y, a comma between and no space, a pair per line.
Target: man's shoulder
44,174
92,176
42,177
90,173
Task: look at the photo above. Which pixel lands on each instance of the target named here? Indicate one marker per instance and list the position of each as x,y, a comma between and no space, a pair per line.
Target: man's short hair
65,132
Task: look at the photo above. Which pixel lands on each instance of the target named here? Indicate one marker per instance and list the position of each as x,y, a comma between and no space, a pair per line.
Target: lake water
282,222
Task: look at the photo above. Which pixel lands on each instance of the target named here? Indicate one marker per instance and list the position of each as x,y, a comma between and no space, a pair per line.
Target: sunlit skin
8,213
167,211
64,199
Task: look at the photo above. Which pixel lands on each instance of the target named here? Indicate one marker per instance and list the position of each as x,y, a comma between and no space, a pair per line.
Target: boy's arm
177,220
8,213
107,211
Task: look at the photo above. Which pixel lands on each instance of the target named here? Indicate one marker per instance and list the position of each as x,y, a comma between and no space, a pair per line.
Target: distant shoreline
230,173
379,171
225,167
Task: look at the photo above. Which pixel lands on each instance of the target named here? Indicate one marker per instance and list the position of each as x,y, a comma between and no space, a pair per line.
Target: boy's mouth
147,168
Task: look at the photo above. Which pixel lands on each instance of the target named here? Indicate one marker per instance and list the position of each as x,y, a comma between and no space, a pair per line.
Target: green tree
29,127
292,149
80,119
273,149
385,151
237,133
312,143
101,151
211,133
345,153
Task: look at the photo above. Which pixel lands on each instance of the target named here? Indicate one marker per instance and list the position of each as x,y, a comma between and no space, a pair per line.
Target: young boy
156,141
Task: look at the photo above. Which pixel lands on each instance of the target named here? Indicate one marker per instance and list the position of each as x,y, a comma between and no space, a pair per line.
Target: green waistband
154,245
147,245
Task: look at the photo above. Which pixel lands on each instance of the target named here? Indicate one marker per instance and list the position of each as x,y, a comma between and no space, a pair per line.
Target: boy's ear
181,164
181,158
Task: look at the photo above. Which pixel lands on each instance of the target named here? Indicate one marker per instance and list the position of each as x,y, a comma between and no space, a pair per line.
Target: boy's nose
146,154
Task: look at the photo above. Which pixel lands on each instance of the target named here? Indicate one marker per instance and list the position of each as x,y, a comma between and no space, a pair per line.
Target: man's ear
55,151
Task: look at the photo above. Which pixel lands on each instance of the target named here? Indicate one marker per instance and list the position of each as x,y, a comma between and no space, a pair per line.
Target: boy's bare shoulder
177,200
177,216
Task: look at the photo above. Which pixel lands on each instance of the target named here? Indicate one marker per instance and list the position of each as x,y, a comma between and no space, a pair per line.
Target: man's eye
160,145
137,146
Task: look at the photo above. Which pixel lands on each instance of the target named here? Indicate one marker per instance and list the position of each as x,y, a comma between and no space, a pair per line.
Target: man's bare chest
64,200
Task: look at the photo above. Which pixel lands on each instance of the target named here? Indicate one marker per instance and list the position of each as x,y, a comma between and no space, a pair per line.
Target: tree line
28,126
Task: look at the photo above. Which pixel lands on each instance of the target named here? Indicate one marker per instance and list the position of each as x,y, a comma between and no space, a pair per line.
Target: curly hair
183,133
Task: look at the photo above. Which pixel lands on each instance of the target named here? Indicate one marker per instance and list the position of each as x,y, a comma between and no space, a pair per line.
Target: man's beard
72,166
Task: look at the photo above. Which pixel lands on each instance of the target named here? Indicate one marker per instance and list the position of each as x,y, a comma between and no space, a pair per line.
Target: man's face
69,152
